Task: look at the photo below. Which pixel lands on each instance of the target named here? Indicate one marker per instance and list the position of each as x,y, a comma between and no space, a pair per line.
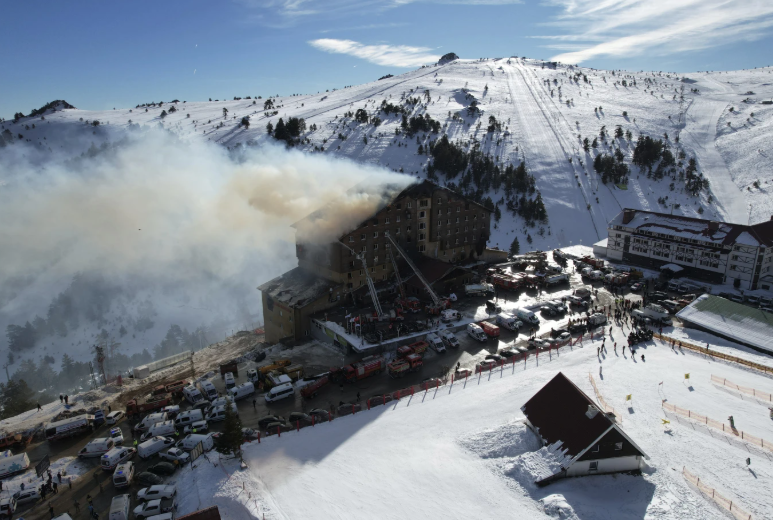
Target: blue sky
99,55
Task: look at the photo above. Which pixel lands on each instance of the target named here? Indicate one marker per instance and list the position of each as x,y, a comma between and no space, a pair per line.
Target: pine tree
230,442
15,398
269,128
515,247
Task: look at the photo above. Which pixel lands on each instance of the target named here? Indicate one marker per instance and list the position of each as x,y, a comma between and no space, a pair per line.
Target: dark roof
558,411
297,287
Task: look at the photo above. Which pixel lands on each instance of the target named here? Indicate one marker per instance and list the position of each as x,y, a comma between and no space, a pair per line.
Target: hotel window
422,236
458,209
386,221
422,214
423,203
408,205
397,219
363,237
422,248
375,234
351,239
422,225
397,231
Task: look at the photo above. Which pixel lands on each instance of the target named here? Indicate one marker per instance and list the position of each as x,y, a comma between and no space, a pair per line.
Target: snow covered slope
542,112
463,452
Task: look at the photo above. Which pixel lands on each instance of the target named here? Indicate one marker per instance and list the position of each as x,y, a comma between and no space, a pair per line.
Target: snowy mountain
592,142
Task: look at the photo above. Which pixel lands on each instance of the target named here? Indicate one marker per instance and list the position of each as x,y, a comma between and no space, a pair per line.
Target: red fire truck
312,389
369,366
490,329
420,347
155,402
401,367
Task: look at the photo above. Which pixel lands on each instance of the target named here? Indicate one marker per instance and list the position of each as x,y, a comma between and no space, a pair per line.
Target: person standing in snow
39,408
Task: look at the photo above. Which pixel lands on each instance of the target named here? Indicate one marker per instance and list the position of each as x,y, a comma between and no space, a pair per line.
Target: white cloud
290,11
387,55
620,28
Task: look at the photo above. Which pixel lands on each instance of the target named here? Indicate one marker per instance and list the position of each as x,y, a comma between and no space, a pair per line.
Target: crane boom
397,272
371,286
432,294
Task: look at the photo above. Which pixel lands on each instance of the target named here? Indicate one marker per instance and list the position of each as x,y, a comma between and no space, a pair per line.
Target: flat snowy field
463,452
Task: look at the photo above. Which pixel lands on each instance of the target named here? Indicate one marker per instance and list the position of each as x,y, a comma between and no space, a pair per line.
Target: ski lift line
371,286
420,276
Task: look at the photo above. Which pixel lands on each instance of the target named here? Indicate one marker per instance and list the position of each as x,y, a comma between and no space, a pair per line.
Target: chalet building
560,413
717,252
435,226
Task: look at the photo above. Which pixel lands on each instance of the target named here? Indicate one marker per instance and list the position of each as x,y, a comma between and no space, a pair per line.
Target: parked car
563,339
275,427
28,495
378,400
147,478
114,417
555,333
154,492
578,328
162,468
636,287
537,343
320,414
248,434
295,417
268,419
348,408
508,352
494,357
484,366
175,454
202,405
657,296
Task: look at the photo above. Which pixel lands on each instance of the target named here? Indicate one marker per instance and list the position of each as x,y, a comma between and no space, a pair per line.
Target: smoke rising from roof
183,215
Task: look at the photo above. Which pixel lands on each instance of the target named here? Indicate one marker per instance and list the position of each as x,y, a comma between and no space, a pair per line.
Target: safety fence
751,439
713,353
602,401
710,492
762,396
483,371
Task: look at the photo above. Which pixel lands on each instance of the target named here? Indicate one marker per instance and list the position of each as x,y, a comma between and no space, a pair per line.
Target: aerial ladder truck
371,287
408,303
438,304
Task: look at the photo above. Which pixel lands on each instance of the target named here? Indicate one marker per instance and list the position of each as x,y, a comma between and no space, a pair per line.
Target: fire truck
312,389
506,281
369,366
420,347
147,404
401,367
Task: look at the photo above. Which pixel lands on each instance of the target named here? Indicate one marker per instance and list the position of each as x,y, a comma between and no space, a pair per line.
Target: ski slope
463,452
543,111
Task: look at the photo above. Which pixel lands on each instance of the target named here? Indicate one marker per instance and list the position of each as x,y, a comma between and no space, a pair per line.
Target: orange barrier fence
751,439
602,401
763,396
724,503
713,353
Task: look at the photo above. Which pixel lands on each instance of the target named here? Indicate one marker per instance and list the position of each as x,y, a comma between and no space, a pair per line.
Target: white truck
449,315
594,320
475,331
192,394
97,447
479,289
11,464
435,343
208,389
655,312
508,321
557,279
155,507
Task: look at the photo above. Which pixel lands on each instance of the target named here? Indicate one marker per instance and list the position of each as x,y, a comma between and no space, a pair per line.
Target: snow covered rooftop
720,233
741,323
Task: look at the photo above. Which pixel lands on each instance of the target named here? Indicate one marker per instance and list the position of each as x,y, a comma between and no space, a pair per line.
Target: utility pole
6,372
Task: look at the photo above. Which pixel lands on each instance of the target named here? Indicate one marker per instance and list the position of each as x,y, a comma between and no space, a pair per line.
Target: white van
152,446
97,447
449,339
230,382
119,508
242,391
208,389
114,457
191,441
150,420
188,417
114,417
161,429
217,413
527,317
192,395
435,343
475,331
280,392
508,321
124,474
